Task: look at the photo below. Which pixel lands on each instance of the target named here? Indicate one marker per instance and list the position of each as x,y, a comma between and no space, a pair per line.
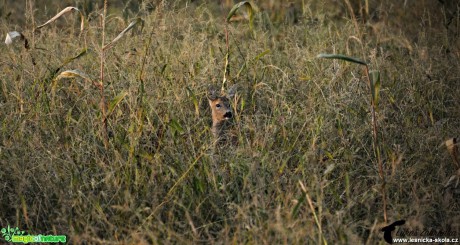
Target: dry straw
63,12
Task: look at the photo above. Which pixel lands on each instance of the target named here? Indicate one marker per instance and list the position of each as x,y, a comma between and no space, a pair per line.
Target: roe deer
221,112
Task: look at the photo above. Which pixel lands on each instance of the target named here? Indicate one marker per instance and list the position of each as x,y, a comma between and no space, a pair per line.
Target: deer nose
228,115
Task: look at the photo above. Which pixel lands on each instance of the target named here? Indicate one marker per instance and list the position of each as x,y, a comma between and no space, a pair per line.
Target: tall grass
301,170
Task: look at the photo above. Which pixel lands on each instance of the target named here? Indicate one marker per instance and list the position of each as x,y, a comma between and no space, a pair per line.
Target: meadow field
114,146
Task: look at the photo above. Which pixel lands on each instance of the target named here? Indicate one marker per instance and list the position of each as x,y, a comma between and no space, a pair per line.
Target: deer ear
232,91
212,93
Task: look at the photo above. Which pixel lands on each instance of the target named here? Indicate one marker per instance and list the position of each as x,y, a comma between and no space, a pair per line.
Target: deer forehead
223,101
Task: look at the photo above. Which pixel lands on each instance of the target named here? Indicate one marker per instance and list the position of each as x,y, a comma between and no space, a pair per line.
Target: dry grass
303,169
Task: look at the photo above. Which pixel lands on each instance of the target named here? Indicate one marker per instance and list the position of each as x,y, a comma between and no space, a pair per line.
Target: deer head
220,109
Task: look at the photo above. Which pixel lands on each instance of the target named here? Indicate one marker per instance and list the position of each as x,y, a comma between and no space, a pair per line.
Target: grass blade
65,11
77,73
250,7
73,73
342,57
194,100
375,86
175,125
68,60
130,26
259,56
115,101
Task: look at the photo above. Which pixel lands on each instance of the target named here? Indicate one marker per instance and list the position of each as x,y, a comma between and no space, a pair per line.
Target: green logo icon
15,235
9,232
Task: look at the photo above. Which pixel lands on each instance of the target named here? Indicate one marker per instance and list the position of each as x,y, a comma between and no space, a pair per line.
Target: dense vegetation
304,167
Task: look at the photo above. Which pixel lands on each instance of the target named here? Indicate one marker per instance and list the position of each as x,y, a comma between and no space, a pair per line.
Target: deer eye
218,105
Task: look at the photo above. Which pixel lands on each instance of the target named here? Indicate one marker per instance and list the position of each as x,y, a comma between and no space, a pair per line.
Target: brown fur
221,112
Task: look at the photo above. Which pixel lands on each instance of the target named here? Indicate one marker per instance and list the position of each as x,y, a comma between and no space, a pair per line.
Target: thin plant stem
377,147
102,103
355,22
227,57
